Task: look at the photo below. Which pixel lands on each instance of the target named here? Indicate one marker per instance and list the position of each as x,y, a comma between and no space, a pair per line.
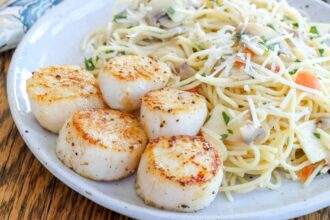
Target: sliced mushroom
185,71
161,20
166,22
153,19
251,133
196,3
160,6
324,123
158,15
158,11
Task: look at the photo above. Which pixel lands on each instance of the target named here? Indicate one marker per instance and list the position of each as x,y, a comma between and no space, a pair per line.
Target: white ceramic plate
56,39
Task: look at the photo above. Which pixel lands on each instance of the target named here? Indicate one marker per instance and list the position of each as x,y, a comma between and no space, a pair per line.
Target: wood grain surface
29,191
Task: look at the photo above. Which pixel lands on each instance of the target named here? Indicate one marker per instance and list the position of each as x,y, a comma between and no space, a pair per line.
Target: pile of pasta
264,69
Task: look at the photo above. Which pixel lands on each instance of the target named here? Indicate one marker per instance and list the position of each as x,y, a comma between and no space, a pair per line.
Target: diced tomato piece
248,51
194,90
305,172
277,69
308,79
239,64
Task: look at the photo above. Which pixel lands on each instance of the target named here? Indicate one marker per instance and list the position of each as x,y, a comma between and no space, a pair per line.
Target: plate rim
293,210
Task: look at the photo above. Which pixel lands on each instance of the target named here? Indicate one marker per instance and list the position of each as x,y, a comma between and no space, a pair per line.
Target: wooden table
29,191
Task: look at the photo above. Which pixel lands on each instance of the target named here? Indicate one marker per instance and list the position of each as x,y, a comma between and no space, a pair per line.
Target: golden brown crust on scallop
109,128
173,100
185,152
62,82
132,67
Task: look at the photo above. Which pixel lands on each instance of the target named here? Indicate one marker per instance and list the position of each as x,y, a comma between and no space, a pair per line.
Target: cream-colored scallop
56,92
101,144
169,112
180,173
124,80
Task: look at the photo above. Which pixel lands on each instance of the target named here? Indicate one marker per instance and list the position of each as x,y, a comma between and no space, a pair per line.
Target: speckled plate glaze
56,39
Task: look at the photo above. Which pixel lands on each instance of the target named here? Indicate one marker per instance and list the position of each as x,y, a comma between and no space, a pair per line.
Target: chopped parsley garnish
295,25
89,64
270,26
225,117
108,51
224,136
203,74
297,61
237,37
321,51
272,46
317,135
314,30
170,12
294,71
252,77
198,48
230,131
287,18
263,43
119,16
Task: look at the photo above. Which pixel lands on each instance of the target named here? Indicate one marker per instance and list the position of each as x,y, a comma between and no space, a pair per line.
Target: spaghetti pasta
271,118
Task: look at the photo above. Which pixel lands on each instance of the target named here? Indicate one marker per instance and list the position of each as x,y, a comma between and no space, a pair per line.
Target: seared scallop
169,112
125,79
101,144
179,173
56,92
